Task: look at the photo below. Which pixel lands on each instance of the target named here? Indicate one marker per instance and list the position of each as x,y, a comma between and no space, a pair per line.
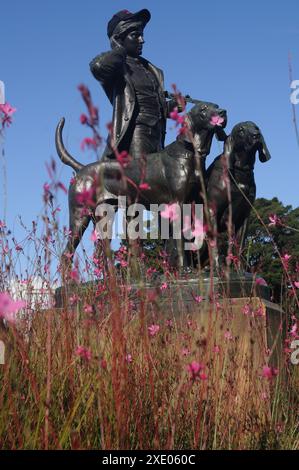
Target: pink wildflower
247,309
183,129
195,370
83,119
285,260
228,335
264,396
61,186
233,258
8,111
164,286
198,298
92,110
153,330
296,284
203,376
170,212
185,352
129,358
274,220
55,211
88,308
216,349
9,307
46,187
74,275
124,263
260,281
279,427
259,312
216,120
85,197
123,158
269,372
89,143
93,236
293,331
144,186
176,117
83,352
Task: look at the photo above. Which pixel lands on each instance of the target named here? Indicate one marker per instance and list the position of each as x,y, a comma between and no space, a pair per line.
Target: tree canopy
281,231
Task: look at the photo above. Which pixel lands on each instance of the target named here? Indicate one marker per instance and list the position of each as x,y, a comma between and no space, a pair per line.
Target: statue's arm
107,66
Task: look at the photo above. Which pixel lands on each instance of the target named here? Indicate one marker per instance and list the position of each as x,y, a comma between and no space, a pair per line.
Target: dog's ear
264,154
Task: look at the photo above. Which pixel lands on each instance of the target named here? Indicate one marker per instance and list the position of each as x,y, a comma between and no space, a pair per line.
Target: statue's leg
145,139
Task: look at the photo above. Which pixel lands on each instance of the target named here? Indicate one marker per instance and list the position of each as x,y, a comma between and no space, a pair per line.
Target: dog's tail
63,154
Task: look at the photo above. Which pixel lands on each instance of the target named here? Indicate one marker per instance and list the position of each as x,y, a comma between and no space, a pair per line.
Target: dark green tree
260,252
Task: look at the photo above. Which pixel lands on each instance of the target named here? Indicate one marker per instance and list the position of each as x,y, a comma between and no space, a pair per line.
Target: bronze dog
238,159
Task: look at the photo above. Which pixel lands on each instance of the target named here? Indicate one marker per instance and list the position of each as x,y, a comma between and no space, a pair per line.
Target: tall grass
122,367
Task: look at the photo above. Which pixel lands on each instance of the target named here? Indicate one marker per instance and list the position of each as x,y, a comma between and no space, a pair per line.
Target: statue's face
133,41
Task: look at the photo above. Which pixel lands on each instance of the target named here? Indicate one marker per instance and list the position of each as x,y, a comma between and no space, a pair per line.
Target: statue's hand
172,104
182,106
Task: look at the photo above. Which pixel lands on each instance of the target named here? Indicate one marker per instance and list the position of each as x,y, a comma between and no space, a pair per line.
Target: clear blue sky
230,52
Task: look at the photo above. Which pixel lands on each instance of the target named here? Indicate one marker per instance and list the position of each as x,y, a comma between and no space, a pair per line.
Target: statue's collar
132,59
136,60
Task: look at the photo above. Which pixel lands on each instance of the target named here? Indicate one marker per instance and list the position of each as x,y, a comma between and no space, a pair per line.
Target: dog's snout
222,113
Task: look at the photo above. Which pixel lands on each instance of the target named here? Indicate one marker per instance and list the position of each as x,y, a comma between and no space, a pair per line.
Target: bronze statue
170,173
237,161
134,86
154,174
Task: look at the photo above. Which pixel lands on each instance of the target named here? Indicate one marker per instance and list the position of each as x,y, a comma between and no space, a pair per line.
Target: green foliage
260,243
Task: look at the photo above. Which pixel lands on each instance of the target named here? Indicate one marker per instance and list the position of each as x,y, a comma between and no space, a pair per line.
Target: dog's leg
182,259
241,236
103,225
77,225
134,252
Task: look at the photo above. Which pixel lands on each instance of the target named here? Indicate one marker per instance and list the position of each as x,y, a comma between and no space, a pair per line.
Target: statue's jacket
111,71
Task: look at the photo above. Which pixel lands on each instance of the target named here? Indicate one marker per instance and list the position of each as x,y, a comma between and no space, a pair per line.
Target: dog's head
248,137
205,115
